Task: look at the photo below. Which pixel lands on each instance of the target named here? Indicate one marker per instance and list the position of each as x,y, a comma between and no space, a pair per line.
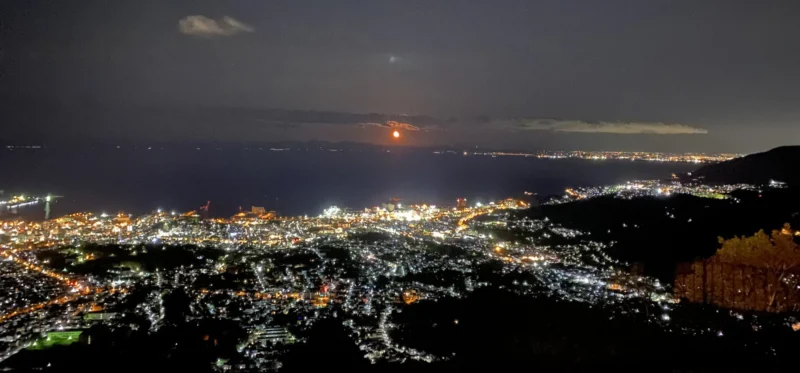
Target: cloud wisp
621,128
478,124
202,26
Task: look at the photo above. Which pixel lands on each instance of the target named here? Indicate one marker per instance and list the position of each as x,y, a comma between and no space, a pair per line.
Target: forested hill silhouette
759,168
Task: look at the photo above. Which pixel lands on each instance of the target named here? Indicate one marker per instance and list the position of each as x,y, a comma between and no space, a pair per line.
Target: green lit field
56,339
710,195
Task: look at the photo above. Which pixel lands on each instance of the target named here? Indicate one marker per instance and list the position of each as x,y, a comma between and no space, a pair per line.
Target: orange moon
396,134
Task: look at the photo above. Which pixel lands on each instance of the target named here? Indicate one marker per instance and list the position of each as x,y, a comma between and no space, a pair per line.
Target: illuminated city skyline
396,186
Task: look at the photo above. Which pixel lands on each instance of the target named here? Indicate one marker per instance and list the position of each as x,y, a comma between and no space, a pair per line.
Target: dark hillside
777,164
661,232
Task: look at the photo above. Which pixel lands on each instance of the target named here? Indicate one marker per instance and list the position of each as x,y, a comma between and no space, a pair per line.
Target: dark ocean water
292,183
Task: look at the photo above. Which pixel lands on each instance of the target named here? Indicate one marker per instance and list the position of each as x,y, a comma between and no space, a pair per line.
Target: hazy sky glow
637,75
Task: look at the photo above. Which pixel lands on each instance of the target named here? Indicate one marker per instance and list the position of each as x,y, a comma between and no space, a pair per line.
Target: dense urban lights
384,244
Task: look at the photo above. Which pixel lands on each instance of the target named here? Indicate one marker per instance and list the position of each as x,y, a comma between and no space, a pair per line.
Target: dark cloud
417,123
391,124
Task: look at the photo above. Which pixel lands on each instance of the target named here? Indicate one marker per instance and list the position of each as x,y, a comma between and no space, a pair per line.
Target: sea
292,182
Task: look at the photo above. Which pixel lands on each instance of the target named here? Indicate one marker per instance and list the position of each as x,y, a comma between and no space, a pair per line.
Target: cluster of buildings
656,188
277,276
255,228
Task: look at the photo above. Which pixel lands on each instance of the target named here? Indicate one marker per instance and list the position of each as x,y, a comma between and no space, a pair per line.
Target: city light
607,155
289,265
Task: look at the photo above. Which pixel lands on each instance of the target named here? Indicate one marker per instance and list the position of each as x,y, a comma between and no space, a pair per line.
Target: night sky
694,75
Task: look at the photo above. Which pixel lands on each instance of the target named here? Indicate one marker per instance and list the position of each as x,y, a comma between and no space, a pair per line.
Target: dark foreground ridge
759,168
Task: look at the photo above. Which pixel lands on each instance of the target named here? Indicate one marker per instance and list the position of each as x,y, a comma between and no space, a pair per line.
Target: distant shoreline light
609,155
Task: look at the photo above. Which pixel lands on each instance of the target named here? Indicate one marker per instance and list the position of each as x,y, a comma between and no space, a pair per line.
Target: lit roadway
77,288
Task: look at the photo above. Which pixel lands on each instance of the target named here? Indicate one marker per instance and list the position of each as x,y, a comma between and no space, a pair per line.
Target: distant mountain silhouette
778,164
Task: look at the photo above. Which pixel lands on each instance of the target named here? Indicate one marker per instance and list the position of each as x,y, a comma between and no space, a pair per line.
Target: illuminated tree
776,254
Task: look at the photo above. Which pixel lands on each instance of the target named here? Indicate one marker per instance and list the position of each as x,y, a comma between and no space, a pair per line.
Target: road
77,289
